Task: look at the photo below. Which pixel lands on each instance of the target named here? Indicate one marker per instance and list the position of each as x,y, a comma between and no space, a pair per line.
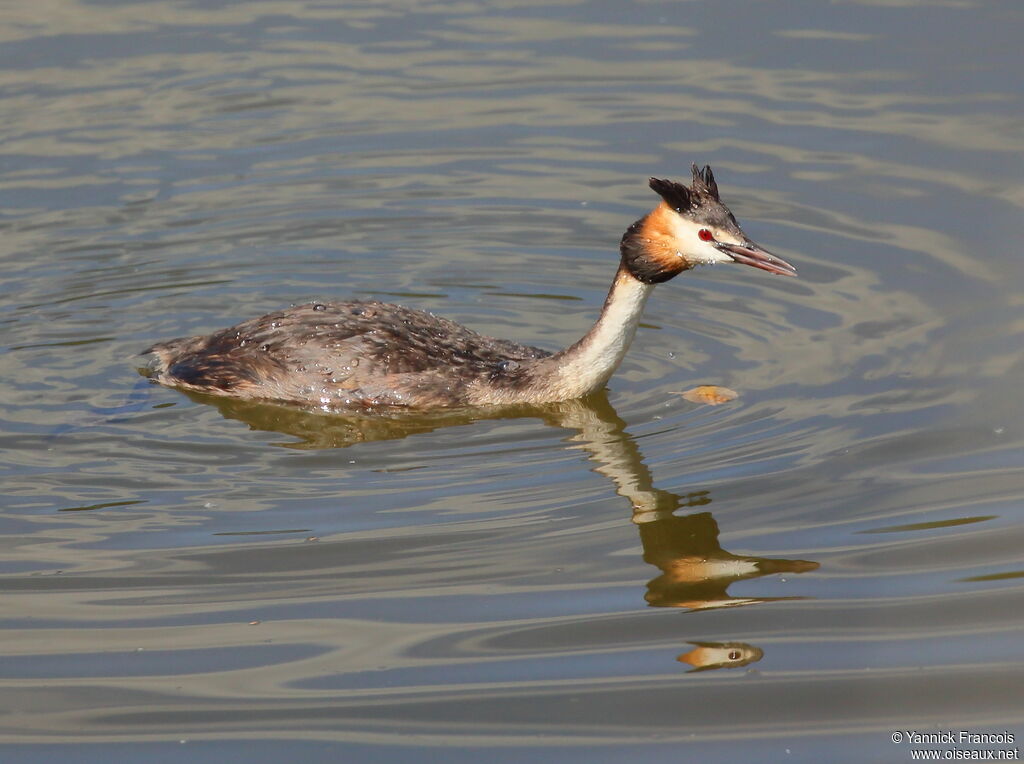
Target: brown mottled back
344,354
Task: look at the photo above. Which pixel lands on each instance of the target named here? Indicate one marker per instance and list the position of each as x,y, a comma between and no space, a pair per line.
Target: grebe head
691,227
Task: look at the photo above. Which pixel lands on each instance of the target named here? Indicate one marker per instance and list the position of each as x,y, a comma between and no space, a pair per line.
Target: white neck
586,366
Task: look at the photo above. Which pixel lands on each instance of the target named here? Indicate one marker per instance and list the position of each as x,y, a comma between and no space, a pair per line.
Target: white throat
586,366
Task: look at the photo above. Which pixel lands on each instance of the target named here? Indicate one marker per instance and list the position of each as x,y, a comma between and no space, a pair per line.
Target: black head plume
699,201
701,193
676,195
704,182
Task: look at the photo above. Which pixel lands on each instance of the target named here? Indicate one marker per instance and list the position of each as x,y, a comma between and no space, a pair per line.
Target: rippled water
790,576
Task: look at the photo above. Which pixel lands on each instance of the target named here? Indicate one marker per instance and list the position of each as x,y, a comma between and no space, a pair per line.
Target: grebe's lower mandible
356,355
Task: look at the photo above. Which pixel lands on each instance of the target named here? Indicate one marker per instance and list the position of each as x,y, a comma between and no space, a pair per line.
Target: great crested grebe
364,354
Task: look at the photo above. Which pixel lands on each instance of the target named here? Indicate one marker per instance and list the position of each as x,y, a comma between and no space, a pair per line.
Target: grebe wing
319,352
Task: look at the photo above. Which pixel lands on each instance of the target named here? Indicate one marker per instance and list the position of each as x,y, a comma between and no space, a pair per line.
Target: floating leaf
713,395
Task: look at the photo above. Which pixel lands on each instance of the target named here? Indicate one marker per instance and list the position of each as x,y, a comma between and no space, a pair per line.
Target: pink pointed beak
750,253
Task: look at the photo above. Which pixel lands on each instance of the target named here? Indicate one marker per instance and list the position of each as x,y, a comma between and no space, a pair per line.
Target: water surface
789,576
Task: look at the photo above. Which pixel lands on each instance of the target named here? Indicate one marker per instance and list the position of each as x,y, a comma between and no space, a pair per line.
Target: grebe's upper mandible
356,355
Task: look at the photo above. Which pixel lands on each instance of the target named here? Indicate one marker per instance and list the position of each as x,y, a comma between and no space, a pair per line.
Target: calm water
788,577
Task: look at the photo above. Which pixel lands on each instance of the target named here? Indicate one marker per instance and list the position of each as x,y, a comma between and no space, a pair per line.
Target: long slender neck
586,366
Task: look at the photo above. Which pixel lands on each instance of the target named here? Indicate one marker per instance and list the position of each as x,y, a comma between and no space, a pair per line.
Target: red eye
705,235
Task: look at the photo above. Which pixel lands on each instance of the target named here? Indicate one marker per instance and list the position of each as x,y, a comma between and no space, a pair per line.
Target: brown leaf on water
713,395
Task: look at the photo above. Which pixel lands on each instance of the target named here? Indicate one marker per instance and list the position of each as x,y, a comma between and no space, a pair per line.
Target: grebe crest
341,356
